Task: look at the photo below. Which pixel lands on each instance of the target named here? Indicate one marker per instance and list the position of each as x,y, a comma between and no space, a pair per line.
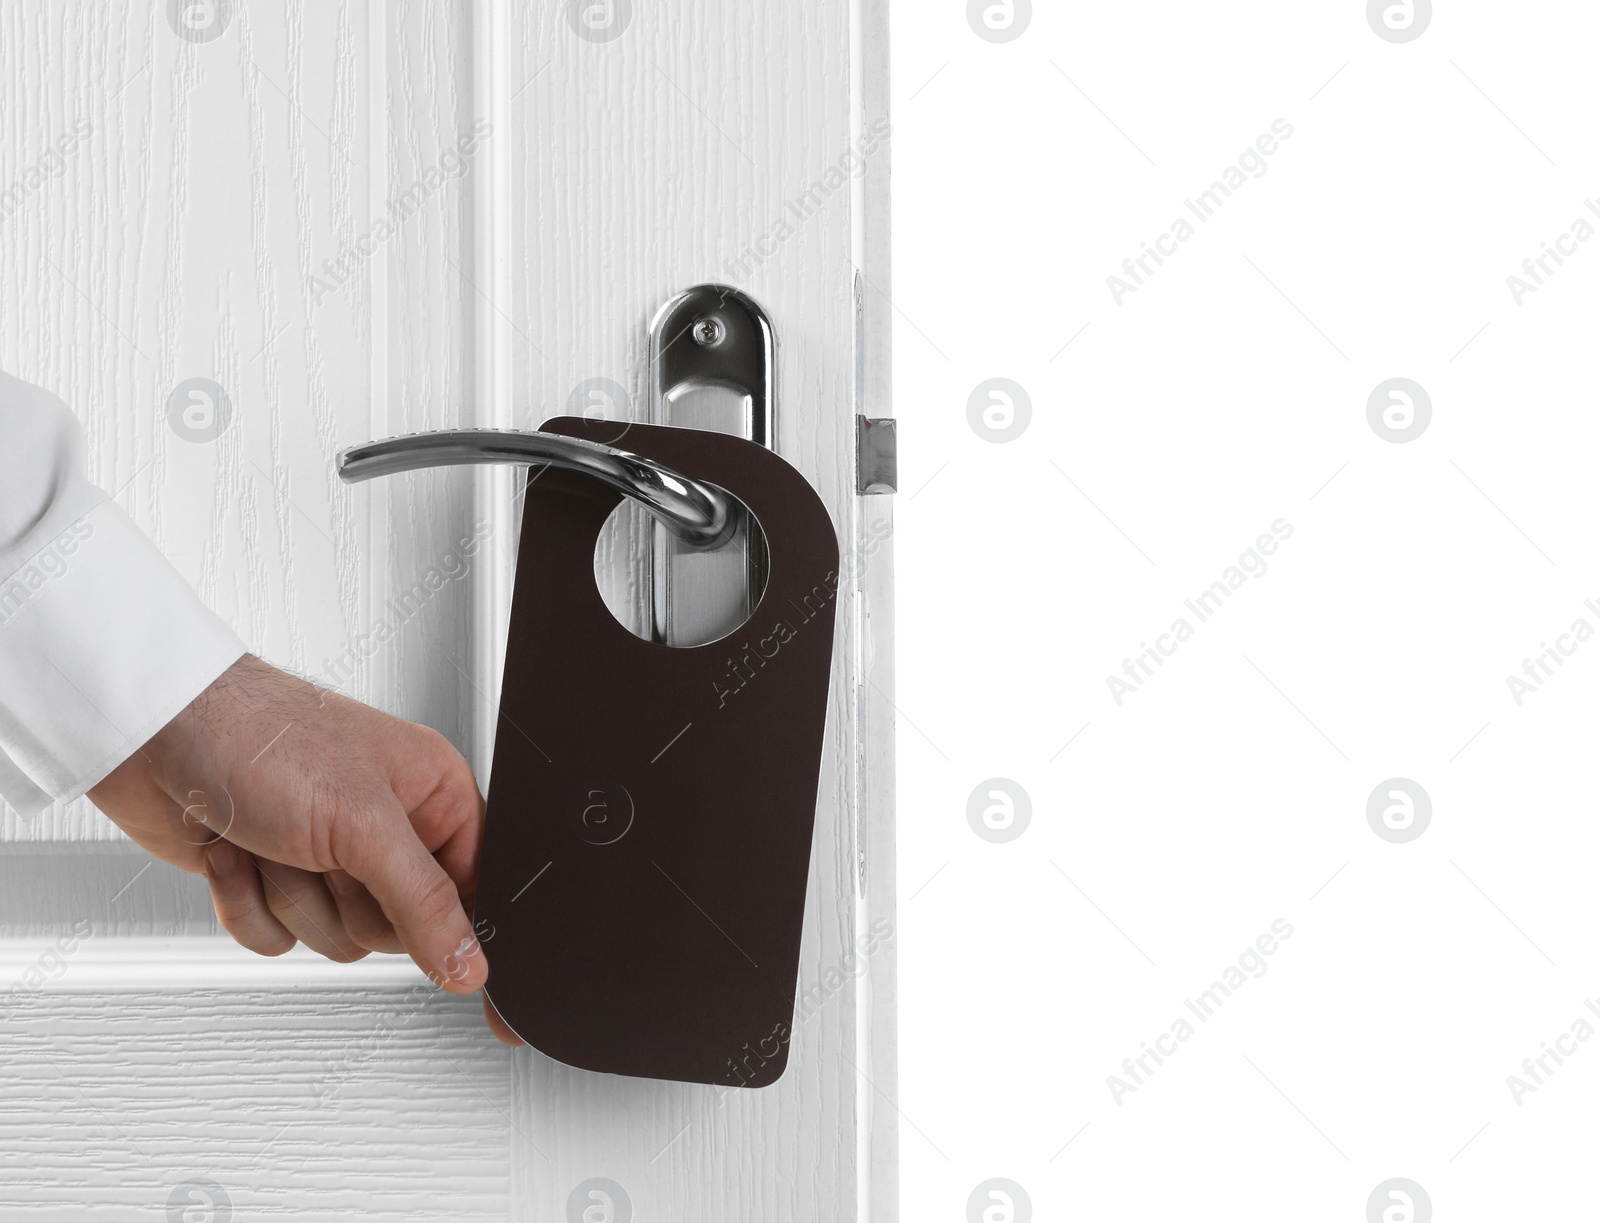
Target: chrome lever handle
695,512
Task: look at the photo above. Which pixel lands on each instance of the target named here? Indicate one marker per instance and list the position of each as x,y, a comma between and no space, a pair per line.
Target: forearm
101,641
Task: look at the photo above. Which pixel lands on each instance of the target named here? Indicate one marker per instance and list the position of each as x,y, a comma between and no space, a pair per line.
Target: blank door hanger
644,864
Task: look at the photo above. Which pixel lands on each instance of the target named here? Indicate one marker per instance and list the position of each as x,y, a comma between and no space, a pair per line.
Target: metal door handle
695,512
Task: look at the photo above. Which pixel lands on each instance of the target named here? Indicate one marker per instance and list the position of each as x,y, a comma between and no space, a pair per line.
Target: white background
1231,789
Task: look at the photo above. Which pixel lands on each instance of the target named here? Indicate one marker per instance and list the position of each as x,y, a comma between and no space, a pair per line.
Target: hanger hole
661,591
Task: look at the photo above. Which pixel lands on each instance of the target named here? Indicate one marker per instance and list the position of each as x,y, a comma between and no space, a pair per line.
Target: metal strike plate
877,456
713,354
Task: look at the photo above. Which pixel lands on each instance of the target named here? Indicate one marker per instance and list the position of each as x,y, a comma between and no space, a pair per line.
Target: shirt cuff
102,643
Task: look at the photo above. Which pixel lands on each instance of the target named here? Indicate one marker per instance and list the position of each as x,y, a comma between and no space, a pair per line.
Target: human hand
316,819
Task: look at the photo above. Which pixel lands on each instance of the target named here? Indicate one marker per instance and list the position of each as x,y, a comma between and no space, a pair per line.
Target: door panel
294,1090
215,223
365,220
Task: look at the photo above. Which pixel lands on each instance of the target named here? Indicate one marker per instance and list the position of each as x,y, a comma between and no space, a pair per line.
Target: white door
335,222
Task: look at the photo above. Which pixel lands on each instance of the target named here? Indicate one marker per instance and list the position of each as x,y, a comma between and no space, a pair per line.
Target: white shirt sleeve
102,643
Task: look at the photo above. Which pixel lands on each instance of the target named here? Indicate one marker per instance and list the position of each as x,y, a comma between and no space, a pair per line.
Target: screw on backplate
708,332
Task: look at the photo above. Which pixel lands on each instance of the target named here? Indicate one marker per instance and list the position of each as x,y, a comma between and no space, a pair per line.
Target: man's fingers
301,901
459,858
241,907
362,915
498,1026
445,807
383,852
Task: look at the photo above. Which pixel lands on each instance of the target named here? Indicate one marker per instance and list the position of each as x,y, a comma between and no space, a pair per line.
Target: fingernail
222,857
465,964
